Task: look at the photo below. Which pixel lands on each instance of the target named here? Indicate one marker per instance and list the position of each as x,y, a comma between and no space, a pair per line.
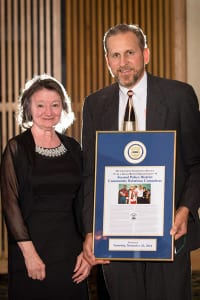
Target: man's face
125,59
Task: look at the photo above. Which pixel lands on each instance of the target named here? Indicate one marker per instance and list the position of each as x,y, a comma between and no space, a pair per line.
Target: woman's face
46,108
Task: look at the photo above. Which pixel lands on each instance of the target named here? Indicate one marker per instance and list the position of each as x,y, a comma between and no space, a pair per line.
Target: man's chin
127,82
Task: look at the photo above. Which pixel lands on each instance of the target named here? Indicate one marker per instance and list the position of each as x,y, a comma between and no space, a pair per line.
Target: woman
41,176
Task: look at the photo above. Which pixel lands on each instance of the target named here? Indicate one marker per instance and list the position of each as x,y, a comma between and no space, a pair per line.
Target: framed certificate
134,195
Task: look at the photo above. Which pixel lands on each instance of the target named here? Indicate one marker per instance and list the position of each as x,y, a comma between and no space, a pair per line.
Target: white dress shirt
139,103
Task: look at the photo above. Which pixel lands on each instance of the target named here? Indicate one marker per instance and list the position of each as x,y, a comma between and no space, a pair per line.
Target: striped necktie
129,117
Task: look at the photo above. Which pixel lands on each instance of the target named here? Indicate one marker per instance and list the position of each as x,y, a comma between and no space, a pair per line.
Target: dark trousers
150,280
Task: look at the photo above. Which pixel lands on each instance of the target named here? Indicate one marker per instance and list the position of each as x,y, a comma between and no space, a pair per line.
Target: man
159,104
123,195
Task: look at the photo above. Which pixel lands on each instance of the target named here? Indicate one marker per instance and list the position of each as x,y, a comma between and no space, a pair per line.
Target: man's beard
129,80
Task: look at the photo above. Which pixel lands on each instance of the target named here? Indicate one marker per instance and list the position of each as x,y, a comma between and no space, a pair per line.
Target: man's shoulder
171,90
167,81
104,91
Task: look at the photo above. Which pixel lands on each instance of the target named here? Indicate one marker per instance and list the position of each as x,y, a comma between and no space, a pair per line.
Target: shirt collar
138,89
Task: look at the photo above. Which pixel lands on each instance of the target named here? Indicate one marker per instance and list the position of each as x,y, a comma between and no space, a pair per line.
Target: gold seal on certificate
135,152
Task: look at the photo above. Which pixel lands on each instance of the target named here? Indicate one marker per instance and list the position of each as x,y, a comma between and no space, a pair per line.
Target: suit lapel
110,108
156,107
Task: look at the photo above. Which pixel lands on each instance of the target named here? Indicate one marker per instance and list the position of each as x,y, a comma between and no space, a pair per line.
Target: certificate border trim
173,209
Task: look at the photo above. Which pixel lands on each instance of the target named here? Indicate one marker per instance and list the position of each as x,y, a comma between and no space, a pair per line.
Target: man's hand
89,255
180,223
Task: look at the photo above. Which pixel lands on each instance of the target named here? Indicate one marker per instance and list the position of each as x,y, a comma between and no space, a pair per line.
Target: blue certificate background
110,152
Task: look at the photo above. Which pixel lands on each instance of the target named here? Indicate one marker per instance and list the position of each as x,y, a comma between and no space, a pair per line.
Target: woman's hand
81,270
34,265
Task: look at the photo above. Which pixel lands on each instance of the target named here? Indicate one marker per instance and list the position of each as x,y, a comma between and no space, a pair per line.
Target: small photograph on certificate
134,194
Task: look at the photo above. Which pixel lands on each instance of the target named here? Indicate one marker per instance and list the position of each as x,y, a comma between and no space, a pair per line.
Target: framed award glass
134,195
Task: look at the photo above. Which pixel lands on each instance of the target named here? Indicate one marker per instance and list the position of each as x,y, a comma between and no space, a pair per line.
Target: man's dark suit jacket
171,105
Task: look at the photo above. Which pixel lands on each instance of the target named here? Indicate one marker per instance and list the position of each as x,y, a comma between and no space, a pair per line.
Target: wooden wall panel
86,23
179,41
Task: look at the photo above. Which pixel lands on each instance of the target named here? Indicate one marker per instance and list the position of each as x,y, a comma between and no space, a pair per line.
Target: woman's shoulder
17,140
21,146
73,146
22,137
70,142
